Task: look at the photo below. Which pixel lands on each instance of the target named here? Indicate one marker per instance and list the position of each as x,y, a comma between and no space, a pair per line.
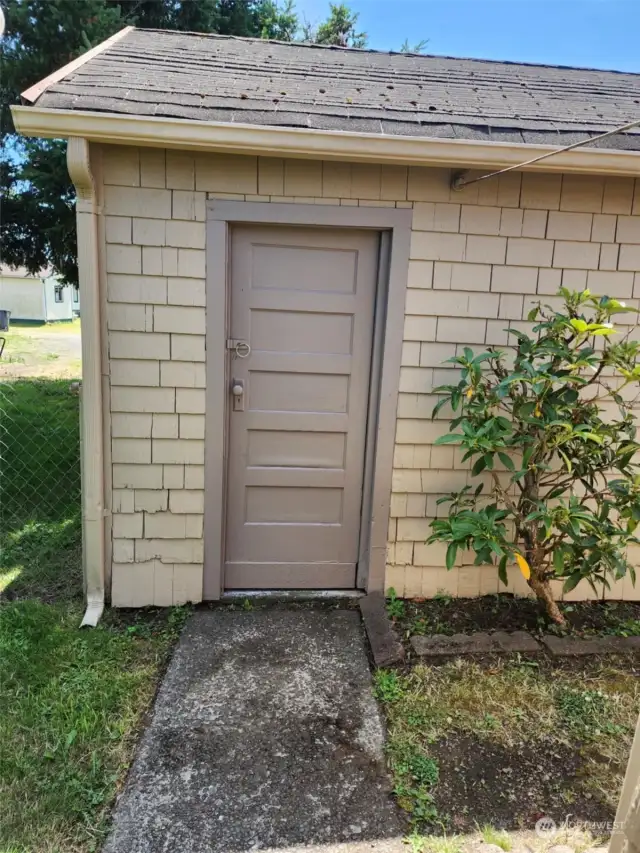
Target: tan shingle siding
480,259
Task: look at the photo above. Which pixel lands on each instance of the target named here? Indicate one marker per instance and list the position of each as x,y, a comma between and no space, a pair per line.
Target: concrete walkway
265,735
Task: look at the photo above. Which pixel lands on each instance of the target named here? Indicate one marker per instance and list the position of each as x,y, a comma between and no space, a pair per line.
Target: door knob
237,389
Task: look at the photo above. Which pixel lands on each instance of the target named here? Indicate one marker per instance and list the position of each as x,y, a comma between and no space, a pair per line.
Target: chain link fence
40,529
39,450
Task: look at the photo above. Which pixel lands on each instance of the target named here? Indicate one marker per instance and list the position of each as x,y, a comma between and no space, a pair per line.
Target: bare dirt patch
511,787
47,351
507,613
504,741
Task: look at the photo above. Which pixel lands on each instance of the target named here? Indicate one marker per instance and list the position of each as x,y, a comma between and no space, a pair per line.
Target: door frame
395,228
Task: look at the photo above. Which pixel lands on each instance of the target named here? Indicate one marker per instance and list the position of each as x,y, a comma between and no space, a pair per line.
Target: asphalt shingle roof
251,81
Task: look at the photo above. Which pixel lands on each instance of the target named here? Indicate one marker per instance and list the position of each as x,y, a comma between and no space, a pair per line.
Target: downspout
91,428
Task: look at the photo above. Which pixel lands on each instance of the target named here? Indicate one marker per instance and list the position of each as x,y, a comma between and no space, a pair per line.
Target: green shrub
551,433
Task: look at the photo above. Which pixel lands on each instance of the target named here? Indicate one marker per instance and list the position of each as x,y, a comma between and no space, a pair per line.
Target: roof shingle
251,81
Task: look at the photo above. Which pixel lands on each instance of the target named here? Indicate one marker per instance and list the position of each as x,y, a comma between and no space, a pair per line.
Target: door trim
387,353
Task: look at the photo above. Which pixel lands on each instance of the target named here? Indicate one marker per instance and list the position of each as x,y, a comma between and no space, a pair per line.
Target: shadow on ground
41,560
483,782
40,536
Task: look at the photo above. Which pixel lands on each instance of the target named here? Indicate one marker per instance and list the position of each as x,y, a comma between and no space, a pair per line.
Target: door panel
297,331
269,448
306,268
270,391
292,505
303,299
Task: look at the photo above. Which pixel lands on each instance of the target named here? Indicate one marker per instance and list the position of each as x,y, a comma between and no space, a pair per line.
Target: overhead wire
458,182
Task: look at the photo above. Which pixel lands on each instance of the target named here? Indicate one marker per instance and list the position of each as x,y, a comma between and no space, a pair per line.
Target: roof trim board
305,143
33,92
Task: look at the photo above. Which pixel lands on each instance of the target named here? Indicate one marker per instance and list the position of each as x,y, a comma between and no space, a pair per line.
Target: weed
421,769
387,685
499,837
177,619
418,802
434,844
416,719
443,596
489,722
395,605
626,628
247,604
587,713
510,704
420,626
416,775
141,630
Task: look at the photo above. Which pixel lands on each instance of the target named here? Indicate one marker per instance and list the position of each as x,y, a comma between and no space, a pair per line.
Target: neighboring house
274,265
36,298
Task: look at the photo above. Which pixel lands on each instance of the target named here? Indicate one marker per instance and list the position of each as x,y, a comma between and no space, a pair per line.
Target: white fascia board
313,144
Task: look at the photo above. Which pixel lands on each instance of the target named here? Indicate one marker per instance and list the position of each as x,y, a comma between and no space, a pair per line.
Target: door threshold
292,594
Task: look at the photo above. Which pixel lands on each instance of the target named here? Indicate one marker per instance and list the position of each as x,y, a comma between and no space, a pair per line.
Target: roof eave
157,132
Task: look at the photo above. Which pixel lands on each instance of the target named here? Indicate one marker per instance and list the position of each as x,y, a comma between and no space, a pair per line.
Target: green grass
436,844
41,349
512,704
71,702
42,560
39,449
40,545
491,835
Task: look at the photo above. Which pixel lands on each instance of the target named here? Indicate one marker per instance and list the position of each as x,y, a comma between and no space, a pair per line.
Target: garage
280,246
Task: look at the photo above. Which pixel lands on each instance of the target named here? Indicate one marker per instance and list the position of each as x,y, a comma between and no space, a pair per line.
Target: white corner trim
91,422
313,144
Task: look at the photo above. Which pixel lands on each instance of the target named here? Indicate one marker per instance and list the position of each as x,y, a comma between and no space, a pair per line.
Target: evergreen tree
37,220
37,200
418,47
339,28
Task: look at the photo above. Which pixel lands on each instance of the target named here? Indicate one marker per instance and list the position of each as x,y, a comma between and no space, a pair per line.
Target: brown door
303,300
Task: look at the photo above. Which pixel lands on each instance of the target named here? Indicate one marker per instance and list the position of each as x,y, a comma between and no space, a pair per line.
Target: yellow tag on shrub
523,565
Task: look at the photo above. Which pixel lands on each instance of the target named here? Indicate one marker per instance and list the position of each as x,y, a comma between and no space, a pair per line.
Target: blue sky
592,33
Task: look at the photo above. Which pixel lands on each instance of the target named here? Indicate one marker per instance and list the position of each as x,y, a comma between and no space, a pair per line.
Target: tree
37,218
278,22
339,29
38,225
37,221
415,48
554,438
249,18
